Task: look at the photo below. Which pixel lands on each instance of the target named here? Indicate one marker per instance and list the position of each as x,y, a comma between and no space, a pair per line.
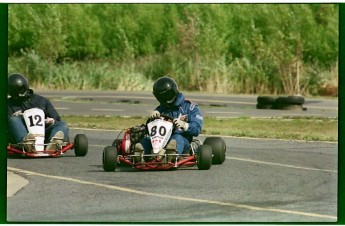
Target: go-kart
35,122
122,151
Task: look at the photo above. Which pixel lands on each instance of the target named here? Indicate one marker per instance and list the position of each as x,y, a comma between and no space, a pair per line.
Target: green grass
293,128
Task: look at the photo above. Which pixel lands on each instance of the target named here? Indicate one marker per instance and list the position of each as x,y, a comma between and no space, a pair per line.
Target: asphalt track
141,103
260,181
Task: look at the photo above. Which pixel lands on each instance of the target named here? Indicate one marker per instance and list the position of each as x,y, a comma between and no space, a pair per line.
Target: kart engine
137,133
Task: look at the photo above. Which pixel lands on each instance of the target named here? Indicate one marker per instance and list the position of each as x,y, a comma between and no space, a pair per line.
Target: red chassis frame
13,151
185,160
160,165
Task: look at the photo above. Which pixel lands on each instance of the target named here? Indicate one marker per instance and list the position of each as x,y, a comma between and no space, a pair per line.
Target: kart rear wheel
218,149
81,145
204,157
109,159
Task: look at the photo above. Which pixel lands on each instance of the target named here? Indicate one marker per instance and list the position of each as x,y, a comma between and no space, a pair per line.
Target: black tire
81,145
109,159
266,100
291,107
290,100
218,149
204,157
265,106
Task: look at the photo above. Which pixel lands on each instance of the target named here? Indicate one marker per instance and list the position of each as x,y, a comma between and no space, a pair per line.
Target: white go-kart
35,122
122,151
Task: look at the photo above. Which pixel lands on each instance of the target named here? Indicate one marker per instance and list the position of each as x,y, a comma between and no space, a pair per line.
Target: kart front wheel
109,159
81,145
218,149
204,157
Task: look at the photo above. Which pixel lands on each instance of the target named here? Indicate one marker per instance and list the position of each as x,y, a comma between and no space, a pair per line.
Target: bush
224,48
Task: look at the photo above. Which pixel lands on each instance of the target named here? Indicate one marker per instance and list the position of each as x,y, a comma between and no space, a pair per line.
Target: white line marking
104,109
283,165
260,162
113,187
61,108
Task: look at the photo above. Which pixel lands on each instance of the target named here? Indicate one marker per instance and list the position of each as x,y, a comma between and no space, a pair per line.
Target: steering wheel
164,117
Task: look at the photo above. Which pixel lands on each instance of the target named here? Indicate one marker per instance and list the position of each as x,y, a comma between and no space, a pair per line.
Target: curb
14,183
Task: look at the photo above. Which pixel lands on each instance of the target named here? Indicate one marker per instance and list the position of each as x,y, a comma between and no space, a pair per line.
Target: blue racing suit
194,118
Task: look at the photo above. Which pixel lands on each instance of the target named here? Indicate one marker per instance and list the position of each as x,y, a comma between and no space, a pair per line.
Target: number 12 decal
35,120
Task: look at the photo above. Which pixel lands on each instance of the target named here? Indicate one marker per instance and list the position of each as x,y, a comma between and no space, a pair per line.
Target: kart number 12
35,120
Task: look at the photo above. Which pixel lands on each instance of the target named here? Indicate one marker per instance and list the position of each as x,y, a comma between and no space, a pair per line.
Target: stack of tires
281,103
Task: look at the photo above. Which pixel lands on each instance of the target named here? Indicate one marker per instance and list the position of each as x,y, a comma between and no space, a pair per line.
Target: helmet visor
17,91
166,97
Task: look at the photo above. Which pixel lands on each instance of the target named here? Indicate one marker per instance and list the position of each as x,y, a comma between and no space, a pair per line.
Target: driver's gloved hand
18,113
181,124
50,121
154,114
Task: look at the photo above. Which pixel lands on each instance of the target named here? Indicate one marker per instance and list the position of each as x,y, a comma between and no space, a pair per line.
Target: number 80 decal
162,131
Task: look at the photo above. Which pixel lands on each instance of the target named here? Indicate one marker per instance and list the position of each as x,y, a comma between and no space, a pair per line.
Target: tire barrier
294,103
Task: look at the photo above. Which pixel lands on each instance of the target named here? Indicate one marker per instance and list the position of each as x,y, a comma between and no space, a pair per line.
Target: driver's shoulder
37,97
190,104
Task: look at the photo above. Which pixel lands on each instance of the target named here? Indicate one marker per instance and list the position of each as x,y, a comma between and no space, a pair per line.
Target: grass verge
291,128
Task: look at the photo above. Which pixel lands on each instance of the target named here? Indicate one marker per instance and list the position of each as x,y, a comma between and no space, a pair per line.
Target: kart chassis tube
160,165
11,150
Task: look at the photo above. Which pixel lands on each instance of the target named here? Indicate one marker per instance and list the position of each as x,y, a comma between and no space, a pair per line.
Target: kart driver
22,98
187,116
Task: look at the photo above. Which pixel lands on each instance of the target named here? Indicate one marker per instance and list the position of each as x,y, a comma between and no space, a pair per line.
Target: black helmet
18,85
165,90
